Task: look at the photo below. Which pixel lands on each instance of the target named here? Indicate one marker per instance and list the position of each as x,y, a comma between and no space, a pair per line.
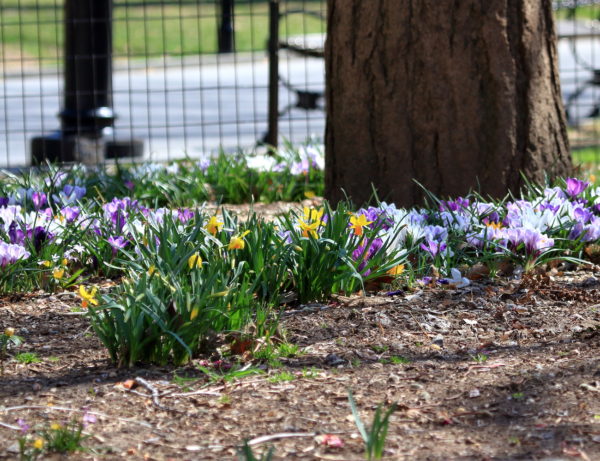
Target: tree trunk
457,95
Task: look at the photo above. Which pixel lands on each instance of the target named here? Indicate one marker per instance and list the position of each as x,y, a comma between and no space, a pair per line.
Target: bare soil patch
500,370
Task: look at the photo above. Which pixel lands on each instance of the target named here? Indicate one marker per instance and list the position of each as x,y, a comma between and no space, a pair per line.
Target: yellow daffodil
396,270
214,225
46,263
38,444
309,194
9,332
58,273
195,261
237,241
65,262
194,313
88,297
312,214
151,270
309,228
358,222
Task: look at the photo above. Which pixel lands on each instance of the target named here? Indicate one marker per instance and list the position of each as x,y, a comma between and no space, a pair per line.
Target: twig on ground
155,394
10,426
199,392
282,435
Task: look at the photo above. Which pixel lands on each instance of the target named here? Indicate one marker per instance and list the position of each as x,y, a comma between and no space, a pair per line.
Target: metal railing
192,76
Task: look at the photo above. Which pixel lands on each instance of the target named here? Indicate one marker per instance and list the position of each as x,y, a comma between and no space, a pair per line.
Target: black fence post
226,31
87,116
272,135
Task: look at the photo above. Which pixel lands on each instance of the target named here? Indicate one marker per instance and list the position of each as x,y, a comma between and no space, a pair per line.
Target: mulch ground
499,370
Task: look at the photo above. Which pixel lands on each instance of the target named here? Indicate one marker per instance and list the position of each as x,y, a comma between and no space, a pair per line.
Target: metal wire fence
155,79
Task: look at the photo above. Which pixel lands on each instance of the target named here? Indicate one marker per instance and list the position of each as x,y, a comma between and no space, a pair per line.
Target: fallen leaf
330,440
129,384
474,393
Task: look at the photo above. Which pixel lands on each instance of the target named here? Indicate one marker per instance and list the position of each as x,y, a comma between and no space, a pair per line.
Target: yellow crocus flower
38,444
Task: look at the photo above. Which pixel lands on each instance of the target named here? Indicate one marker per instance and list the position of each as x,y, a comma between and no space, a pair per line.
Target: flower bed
185,274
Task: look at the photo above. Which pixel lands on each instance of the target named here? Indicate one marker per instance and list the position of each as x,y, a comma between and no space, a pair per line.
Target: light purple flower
88,419
117,243
203,164
582,215
184,215
360,253
433,247
575,186
437,233
10,253
70,213
533,240
23,425
378,217
39,199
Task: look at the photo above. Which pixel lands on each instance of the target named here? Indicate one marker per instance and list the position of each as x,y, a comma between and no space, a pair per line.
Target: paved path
194,109
177,110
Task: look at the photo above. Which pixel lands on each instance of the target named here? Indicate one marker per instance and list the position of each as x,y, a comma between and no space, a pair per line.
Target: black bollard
226,31
271,137
87,116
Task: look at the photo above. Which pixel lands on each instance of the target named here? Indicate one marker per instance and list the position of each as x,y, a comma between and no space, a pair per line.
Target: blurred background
98,80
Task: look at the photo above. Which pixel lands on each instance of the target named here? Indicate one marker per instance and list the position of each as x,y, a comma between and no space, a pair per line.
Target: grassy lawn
581,12
150,30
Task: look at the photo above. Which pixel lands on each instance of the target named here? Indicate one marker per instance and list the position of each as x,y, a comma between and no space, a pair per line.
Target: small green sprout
245,453
282,376
375,436
27,358
479,358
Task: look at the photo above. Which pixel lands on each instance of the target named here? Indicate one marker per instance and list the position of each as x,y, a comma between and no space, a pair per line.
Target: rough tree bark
456,94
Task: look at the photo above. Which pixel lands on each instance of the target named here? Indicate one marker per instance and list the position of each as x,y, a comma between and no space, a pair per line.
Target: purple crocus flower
88,419
10,253
23,425
39,235
437,233
203,164
576,231
433,247
583,215
39,199
4,201
15,233
378,217
575,186
286,236
117,243
184,215
70,213
533,240
374,246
